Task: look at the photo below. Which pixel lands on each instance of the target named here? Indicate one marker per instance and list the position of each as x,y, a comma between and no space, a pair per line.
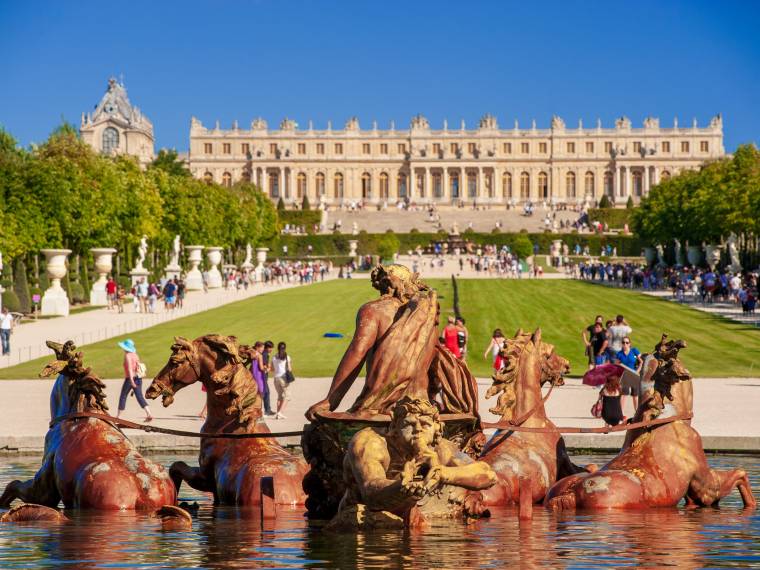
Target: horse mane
505,378
234,378
85,389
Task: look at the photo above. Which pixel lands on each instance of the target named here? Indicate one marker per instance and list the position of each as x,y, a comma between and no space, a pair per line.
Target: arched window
454,181
338,185
366,186
543,185
608,184
401,184
110,140
665,175
570,184
300,185
638,183
383,186
274,185
437,185
208,178
320,184
227,179
525,186
506,185
589,183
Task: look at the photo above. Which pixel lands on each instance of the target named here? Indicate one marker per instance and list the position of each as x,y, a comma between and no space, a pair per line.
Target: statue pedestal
194,277
172,271
55,302
139,273
98,295
103,265
214,277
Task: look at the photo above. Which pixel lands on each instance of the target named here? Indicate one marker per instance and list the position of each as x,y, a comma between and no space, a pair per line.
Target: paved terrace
725,413
28,340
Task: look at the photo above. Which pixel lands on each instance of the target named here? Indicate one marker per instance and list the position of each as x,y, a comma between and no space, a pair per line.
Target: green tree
305,203
21,286
169,162
629,204
387,246
522,247
604,202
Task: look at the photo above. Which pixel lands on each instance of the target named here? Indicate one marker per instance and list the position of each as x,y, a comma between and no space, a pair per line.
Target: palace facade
487,165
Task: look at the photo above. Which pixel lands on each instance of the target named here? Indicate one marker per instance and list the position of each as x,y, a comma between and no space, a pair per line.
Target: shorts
282,387
170,300
600,359
629,384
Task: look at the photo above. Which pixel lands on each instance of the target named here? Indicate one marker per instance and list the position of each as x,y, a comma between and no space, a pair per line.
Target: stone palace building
487,165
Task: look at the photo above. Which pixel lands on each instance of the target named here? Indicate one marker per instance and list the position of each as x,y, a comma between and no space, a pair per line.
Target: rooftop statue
659,465
409,473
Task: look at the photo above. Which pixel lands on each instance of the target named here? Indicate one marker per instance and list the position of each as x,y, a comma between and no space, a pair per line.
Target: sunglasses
626,342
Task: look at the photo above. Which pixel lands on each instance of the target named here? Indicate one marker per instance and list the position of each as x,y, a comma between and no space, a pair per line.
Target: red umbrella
598,376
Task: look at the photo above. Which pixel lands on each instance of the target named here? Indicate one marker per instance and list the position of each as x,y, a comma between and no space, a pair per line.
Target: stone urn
352,245
213,276
650,254
557,251
55,301
194,278
103,264
261,257
694,255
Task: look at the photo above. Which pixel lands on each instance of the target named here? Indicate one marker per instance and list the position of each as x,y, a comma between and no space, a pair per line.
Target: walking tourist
170,291
494,347
257,366
265,357
463,335
180,293
6,328
630,358
451,337
134,370
153,293
141,295
612,411
599,343
282,369
120,294
587,335
111,289
617,331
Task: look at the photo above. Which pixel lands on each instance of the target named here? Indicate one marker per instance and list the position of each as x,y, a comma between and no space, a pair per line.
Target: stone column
628,181
194,279
410,183
103,266
646,180
264,182
428,185
55,301
480,184
463,185
618,191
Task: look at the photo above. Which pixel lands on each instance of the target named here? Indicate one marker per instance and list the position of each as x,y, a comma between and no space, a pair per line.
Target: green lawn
300,316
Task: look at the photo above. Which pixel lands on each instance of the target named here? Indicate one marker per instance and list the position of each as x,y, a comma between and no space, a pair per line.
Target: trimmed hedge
300,218
370,244
613,217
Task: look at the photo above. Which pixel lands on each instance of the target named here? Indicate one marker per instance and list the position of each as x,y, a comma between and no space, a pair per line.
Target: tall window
401,184
300,185
684,146
274,185
570,184
208,148
301,148
471,148
542,148
338,185
273,148
454,148
488,181
608,183
507,148
110,140
589,183
402,148
365,148
525,186
525,148
437,149
589,147
636,146
543,185
208,178
320,180
366,186
472,185
383,186
245,148
227,148
437,185
384,148
665,146
704,146
227,179
338,148
506,185
320,148
638,183
454,185
608,147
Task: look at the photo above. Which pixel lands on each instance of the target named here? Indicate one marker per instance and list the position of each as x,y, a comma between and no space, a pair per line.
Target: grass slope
300,316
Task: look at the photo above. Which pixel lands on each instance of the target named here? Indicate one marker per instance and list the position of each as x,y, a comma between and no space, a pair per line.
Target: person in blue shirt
630,357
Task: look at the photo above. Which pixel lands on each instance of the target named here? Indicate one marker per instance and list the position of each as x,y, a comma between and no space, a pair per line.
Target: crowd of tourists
609,342
266,365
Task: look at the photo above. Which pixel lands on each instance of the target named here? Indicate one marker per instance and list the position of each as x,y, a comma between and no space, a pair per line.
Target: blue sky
382,61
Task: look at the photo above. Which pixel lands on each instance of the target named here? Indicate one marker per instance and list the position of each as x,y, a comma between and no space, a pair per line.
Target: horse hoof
174,518
30,512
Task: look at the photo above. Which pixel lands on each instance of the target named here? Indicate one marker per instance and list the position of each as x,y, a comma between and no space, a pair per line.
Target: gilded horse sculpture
659,466
88,463
230,469
538,456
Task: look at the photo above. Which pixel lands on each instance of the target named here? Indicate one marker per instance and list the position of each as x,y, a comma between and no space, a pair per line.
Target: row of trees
705,205
63,194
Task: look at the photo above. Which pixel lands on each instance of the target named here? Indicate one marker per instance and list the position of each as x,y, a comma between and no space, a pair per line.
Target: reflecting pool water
234,538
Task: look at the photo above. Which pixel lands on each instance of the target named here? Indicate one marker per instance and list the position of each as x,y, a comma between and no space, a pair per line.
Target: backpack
142,370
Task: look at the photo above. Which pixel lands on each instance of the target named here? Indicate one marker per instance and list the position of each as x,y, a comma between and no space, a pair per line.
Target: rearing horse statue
88,462
659,465
541,456
229,468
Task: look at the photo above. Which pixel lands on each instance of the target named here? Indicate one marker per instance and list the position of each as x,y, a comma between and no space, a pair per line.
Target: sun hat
128,345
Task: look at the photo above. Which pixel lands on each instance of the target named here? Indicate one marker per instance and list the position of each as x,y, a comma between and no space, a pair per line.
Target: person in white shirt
283,377
6,327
